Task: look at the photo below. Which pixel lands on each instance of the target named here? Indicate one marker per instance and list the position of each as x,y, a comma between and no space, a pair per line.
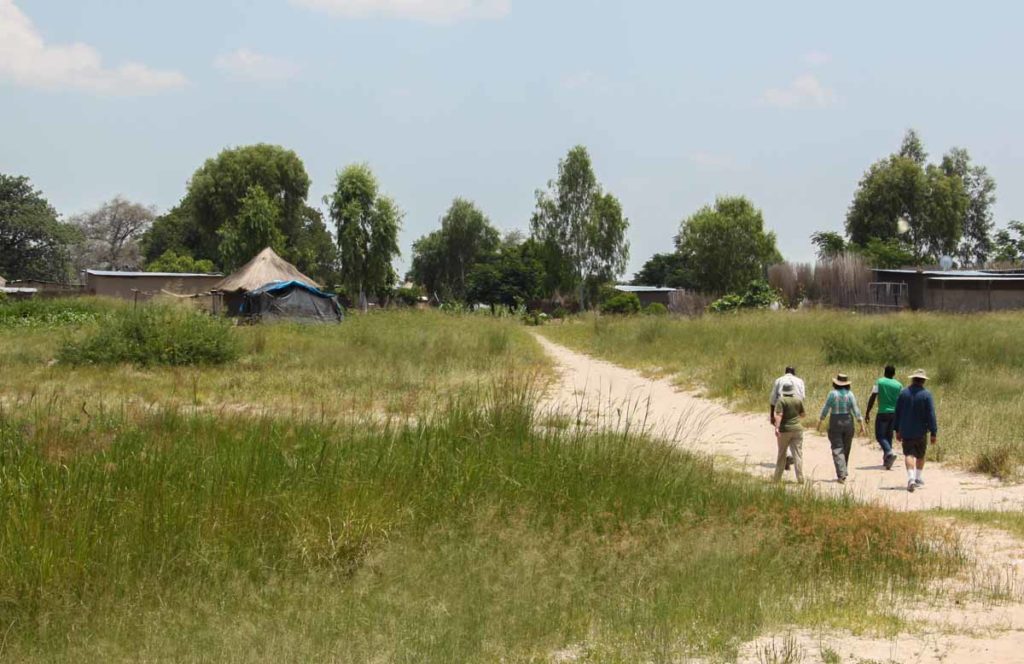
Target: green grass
975,363
1011,522
469,535
393,362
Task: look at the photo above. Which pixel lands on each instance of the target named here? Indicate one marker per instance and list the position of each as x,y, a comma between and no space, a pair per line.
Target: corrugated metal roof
8,289
952,274
626,288
990,277
114,273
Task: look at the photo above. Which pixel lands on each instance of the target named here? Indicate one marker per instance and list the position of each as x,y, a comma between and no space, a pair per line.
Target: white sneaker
911,486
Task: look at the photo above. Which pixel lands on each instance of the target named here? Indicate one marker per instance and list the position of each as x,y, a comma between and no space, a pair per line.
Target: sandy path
953,626
619,396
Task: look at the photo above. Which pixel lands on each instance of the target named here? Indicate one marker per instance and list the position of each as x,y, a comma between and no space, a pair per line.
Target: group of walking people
905,415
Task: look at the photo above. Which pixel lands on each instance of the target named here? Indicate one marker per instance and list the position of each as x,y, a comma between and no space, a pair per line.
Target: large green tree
725,246
976,243
214,198
512,277
253,229
442,260
663,270
903,199
581,226
34,244
367,224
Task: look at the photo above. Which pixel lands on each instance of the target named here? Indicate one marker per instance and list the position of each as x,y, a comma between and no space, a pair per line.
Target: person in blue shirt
914,420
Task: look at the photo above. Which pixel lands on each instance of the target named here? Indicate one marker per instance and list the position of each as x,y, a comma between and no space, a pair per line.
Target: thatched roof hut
267,267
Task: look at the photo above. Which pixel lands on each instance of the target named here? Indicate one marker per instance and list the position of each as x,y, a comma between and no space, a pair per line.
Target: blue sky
785,102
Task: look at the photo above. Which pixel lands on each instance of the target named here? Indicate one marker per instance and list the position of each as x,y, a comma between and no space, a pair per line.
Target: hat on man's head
919,374
788,389
841,380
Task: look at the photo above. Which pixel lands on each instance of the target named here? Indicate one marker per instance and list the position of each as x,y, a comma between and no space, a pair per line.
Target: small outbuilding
648,294
270,288
952,290
144,285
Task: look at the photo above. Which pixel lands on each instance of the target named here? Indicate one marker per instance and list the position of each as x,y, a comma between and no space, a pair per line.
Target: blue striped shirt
841,402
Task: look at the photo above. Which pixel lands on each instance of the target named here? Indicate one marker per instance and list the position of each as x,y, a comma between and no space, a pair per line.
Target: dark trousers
884,424
840,438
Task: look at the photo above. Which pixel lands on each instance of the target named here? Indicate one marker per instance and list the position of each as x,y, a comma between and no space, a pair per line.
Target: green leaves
33,243
367,229
581,224
725,247
252,230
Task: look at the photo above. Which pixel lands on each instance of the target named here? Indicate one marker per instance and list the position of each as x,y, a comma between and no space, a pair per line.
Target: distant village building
648,294
144,285
949,290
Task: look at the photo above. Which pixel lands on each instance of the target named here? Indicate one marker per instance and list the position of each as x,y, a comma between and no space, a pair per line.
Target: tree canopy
935,210
367,224
442,260
170,261
34,243
111,234
581,227
215,197
664,270
254,228
724,247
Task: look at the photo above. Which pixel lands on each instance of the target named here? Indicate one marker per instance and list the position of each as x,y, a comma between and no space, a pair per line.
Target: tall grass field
974,361
472,535
94,353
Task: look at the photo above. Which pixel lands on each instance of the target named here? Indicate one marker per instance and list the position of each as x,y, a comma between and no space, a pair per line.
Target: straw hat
841,380
919,373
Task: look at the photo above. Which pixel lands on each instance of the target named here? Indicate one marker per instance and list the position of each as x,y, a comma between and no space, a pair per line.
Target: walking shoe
889,461
789,462
841,480
919,483
911,485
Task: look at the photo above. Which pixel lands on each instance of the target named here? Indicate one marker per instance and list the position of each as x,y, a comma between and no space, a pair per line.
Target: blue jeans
884,424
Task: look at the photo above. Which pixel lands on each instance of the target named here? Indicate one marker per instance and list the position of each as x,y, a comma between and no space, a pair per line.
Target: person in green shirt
886,391
787,414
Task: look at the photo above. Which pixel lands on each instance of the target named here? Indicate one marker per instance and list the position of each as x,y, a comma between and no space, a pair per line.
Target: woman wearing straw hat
841,409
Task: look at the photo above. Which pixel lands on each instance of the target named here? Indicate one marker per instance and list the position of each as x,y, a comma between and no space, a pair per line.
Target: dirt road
949,627
618,396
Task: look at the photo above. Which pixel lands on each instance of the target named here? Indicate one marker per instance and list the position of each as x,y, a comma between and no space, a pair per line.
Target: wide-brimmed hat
841,380
788,389
919,373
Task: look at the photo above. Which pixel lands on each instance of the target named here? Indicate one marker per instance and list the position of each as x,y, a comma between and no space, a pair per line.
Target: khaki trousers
790,443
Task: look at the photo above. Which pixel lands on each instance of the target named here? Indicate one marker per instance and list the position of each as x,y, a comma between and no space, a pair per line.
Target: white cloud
430,11
817,58
27,59
252,66
804,92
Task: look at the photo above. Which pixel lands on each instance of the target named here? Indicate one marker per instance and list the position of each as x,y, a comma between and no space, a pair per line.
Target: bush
759,295
878,346
155,335
622,303
410,297
656,309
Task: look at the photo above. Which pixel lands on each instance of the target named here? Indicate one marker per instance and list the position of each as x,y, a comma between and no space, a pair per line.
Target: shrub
560,313
622,303
878,346
155,335
759,295
656,309
410,297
